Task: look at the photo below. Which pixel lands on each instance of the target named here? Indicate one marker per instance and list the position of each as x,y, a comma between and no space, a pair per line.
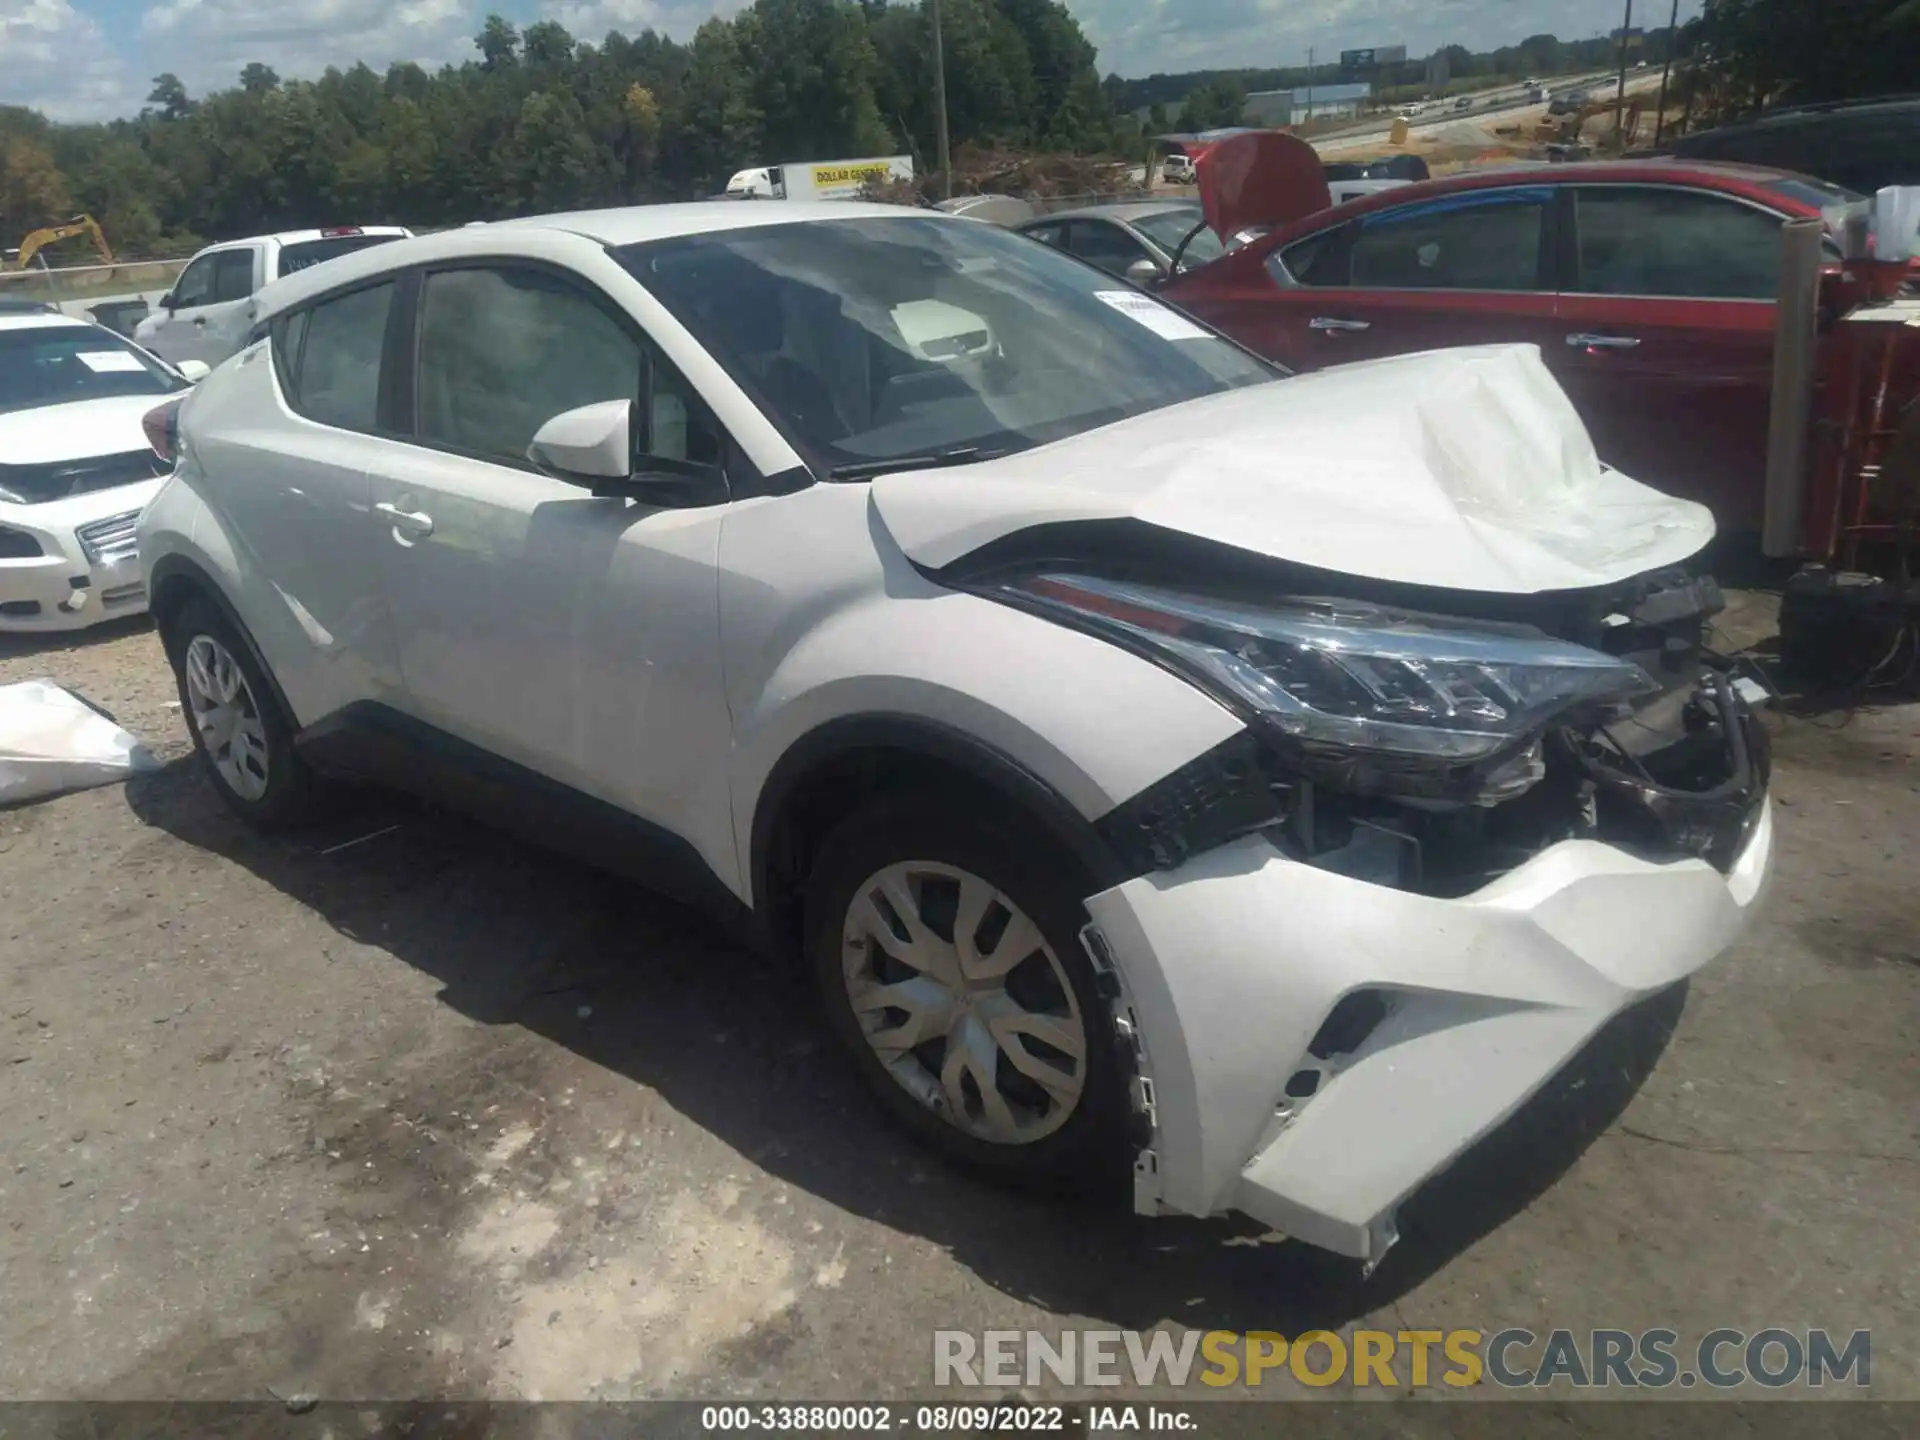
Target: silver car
1137,241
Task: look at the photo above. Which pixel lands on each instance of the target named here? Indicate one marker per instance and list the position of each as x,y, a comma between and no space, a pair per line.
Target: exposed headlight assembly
1349,675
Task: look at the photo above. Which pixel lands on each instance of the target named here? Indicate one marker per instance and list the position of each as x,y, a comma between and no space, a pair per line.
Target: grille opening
1347,1026
19,609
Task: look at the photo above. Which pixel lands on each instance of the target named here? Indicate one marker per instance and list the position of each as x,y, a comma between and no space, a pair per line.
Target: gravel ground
401,1108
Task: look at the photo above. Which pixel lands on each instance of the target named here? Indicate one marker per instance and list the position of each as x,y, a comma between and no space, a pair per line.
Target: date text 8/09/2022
907,1418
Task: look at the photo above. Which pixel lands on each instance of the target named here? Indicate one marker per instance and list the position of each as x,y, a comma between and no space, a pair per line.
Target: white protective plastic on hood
1461,469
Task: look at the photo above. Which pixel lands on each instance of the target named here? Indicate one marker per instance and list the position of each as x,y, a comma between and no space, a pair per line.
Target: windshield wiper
939,459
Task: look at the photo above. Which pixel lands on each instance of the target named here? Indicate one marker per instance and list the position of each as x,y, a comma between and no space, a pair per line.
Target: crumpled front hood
1459,469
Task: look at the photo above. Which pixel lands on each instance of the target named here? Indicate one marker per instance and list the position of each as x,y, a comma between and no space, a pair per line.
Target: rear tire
1015,1075
243,736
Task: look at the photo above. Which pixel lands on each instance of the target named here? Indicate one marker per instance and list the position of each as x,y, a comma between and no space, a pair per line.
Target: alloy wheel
964,1002
227,717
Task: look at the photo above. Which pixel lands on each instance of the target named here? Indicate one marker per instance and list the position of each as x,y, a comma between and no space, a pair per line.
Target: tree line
539,120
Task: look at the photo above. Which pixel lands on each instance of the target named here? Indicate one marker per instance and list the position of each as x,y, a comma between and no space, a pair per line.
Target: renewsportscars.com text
1510,1359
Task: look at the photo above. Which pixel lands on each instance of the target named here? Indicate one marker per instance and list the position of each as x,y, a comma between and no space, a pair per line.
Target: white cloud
208,42
56,60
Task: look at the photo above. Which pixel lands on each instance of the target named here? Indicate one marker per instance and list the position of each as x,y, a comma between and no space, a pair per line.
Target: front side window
232,275
504,350
330,357
871,340
1106,245
1480,240
195,285
1170,228
1642,241
56,364
1321,261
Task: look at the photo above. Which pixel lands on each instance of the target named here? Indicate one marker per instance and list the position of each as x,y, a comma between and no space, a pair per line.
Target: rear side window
1643,241
309,253
1477,241
232,275
328,357
1054,235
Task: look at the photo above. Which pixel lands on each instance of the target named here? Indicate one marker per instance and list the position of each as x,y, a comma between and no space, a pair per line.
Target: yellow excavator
79,225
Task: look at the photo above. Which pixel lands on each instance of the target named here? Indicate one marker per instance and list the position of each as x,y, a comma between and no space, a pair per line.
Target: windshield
57,364
1170,227
872,339
309,253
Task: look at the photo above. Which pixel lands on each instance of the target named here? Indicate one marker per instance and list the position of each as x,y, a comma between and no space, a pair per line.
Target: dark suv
1863,145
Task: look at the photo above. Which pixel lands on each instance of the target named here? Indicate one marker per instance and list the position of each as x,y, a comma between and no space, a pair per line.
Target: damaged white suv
1258,786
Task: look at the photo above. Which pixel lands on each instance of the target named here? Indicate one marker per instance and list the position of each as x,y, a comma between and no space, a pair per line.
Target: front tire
945,949
239,729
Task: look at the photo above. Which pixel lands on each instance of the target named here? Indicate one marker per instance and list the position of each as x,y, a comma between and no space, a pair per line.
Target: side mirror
165,302
194,371
1144,271
593,447
587,445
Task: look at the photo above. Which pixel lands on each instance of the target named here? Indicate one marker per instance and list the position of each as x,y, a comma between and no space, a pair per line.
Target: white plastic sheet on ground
52,741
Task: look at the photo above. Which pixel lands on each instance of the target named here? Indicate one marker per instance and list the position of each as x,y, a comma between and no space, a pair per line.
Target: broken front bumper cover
1233,970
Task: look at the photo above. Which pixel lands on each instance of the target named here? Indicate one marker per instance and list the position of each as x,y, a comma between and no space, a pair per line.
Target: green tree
258,78
498,43
1774,51
171,96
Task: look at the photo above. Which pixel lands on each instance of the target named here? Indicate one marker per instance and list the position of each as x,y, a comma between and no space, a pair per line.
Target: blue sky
86,59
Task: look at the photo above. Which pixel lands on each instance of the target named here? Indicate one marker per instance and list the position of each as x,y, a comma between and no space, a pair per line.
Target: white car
1253,787
209,312
76,468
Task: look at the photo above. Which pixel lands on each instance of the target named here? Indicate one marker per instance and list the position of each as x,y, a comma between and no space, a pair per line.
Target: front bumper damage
1237,967
1329,1008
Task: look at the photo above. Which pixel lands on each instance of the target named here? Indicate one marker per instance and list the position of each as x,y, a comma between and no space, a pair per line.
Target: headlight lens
1350,674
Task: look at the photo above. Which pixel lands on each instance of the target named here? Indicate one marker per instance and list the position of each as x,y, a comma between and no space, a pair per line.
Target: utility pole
1620,99
940,107
1309,82
1666,73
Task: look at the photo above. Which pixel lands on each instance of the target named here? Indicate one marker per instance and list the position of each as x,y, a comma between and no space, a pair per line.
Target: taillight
162,424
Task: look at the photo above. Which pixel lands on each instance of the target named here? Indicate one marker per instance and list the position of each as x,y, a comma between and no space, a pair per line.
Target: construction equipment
38,240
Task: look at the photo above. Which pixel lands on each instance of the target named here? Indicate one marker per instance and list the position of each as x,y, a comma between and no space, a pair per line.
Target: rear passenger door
296,488
1469,268
1666,338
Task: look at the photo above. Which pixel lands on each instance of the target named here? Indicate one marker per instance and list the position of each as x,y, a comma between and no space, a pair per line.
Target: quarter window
1475,241
504,350
1639,241
329,357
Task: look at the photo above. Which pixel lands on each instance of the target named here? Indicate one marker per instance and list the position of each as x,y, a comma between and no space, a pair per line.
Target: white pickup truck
208,314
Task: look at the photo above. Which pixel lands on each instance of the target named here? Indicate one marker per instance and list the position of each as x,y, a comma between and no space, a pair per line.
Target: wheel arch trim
933,741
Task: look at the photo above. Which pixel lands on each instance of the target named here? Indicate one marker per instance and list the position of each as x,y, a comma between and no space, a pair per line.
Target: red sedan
1649,288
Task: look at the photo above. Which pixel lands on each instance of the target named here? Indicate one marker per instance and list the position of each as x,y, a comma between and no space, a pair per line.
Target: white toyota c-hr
1255,785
